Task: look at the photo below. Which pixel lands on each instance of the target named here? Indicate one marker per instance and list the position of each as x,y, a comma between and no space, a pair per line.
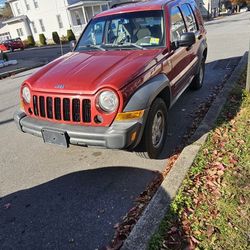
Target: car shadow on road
74,211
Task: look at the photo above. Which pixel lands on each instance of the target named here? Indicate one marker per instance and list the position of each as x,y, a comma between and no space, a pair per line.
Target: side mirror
72,44
186,40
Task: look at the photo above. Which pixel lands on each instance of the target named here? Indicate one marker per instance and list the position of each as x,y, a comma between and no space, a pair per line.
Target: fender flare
202,48
145,95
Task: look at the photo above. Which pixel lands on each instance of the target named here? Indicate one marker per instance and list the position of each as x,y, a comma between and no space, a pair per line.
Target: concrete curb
16,71
159,205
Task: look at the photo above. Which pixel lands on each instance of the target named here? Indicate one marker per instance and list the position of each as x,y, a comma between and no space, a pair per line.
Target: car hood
87,72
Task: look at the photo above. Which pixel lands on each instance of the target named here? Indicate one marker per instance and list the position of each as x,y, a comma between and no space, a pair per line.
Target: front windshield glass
138,30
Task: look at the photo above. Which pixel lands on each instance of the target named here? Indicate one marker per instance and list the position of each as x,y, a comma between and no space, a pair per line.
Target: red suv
115,88
12,44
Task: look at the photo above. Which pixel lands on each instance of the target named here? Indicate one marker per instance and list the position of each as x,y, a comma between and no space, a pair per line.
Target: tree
239,2
42,39
56,37
6,11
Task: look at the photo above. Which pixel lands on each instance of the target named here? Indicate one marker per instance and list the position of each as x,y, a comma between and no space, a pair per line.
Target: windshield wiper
92,46
135,45
122,45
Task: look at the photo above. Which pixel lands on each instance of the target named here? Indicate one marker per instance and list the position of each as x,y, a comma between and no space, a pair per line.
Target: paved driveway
52,198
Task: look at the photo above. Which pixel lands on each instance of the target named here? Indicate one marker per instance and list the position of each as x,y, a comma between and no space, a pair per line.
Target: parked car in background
12,44
244,9
115,88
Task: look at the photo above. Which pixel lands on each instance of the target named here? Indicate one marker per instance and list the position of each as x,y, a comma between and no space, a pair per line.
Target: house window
96,10
78,18
27,5
33,27
17,8
42,25
35,3
59,20
19,32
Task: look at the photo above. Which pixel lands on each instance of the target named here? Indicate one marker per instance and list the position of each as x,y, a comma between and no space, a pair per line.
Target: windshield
138,30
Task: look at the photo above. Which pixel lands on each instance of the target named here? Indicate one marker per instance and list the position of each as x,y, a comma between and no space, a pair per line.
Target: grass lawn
212,208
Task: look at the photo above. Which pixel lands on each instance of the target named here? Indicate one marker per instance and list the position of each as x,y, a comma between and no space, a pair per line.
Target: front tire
155,131
198,80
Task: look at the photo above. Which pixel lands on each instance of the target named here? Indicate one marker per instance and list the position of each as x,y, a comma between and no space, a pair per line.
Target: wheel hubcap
158,129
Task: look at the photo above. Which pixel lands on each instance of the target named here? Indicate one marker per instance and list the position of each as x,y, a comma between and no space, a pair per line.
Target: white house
33,17
4,32
208,8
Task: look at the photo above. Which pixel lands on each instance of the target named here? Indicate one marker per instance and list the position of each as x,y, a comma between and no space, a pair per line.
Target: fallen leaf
210,230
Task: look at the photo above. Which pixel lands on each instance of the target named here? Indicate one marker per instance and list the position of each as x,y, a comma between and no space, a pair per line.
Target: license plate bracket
57,137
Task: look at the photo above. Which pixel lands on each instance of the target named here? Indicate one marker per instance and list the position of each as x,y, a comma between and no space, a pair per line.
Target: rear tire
155,131
198,80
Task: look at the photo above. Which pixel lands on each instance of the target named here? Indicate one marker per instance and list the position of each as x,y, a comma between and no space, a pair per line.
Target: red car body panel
3,47
88,72
120,69
107,117
142,6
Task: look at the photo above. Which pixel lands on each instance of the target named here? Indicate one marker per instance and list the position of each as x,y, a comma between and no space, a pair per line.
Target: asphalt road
31,57
45,54
53,198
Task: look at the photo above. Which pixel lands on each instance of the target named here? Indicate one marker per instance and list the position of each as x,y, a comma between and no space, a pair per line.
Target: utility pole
248,71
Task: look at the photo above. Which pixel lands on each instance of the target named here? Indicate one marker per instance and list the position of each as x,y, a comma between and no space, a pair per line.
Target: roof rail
116,3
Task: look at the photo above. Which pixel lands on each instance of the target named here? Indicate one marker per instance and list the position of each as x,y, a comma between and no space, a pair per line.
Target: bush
64,39
55,37
42,39
31,41
4,56
70,35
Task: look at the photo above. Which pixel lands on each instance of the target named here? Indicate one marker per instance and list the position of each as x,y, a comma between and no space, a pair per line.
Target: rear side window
177,24
190,19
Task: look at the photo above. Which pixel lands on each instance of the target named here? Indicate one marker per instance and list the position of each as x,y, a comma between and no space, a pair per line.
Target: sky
2,2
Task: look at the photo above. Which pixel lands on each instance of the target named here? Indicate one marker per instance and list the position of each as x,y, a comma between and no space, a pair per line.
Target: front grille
66,109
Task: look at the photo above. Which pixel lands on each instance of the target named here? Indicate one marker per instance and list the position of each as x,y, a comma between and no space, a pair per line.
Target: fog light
98,119
129,115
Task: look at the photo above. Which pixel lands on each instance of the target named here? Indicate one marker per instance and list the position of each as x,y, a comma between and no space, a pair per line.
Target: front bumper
118,136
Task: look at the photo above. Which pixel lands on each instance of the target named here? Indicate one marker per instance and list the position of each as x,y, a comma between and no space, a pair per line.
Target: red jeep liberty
114,89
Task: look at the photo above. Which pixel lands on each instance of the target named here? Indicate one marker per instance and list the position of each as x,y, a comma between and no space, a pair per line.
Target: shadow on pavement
213,22
75,211
6,121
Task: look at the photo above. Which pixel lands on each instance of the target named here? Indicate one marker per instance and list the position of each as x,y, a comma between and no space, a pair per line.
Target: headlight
108,101
26,94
